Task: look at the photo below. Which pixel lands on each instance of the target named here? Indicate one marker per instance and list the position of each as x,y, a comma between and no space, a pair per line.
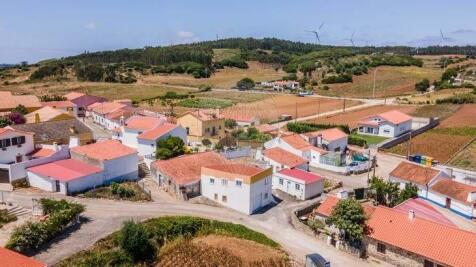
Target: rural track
107,216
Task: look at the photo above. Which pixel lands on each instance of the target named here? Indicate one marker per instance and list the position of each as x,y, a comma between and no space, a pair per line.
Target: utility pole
409,146
368,172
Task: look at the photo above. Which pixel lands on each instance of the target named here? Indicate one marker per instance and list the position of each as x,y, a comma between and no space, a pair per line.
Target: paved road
107,216
99,132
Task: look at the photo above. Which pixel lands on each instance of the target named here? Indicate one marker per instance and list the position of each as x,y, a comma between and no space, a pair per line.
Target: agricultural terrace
390,81
448,139
271,108
351,118
223,78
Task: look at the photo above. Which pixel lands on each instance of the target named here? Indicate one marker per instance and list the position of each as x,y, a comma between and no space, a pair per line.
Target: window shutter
22,139
7,142
14,141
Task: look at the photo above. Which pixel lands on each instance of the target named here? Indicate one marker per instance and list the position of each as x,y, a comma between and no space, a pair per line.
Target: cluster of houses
281,86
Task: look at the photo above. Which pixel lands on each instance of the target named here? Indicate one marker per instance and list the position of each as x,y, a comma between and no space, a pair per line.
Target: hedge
304,127
356,140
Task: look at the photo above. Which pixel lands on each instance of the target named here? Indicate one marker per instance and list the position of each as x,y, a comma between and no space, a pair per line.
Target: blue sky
34,30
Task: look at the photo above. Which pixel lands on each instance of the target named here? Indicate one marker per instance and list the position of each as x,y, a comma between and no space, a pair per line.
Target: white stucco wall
288,186
40,182
456,205
66,187
8,154
122,168
278,166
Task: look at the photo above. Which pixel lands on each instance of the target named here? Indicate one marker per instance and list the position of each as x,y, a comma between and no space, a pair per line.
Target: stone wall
393,255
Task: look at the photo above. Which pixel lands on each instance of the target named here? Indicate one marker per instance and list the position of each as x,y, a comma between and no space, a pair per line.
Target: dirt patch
271,108
440,111
466,159
351,118
464,117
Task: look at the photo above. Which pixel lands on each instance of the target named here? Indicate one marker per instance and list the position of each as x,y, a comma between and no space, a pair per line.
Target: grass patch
205,103
6,217
163,233
466,159
370,139
442,111
130,191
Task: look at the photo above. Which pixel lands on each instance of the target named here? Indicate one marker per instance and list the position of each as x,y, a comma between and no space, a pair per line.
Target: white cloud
185,34
91,25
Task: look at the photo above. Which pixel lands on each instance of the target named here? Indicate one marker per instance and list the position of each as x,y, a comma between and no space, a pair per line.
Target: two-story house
203,124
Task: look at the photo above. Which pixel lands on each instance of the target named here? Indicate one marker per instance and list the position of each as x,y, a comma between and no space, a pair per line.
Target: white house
388,124
457,197
119,162
100,113
421,176
242,120
332,139
279,159
298,183
14,145
244,188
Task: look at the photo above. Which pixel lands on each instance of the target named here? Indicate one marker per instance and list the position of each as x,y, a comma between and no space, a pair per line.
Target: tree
410,191
16,118
245,84
385,193
170,147
230,123
423,85
134,239
5,121
349,217
206,142
449,74
20,109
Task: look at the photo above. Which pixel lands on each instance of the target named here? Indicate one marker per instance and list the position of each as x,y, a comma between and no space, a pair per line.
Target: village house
279,159
298,183
388,124
242,120
457,197
15,145
332,139
244,188
8,101
11,258
267,129
81,102
203,124
47,113
181,175
64,106
105,114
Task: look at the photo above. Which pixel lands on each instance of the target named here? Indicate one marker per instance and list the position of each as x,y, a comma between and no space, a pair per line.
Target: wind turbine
316,33
443,38
351,39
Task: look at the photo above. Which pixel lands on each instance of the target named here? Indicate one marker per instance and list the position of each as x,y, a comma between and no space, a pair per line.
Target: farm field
225,78
351,118
390,81
442,111
466,159
447,139
271,108
432,97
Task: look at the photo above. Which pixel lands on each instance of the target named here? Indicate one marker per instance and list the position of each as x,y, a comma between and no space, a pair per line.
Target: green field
205,103
371,139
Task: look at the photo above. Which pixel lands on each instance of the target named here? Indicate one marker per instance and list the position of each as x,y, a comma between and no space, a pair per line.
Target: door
448,203
58,188
288,186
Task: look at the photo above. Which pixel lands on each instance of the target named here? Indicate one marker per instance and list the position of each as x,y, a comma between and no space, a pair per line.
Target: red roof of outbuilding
395,116
304,176
9,258
331,134
106,150
158,131
65,170
423,210
414,173
327,205
455,190
284,157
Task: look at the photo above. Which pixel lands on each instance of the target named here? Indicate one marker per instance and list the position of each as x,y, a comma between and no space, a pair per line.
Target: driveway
106,216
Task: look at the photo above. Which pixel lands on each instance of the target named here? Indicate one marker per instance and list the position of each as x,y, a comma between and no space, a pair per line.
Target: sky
35,30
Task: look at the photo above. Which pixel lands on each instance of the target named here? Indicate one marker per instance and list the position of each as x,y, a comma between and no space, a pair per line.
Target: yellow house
203,123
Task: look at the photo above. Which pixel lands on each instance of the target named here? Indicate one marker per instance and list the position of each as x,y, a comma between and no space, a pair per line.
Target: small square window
224,199
298,187
265,195
281,181
212,181
215,196
381,248
238,183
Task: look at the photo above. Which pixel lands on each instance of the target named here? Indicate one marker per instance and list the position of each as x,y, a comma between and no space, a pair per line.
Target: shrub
230,123
206,142
236,62
122,191
245,84
134,239
16,118
6,217
316,224
290,77
304,127
423,85
341,78
357,140
20,109
458,99
170,147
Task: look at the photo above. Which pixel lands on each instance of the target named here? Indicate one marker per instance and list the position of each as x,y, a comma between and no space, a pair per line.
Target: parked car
316,260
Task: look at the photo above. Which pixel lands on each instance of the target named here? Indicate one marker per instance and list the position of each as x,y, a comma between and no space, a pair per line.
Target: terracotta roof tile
73,95
395,116
304,176
107,107
331,134
9,101
204,115
143,123
186,169
105,150
11,258
284,157
65,170
157,132
266,128
42,153
423,210
455,190
414,173
241,169
296,141
327,205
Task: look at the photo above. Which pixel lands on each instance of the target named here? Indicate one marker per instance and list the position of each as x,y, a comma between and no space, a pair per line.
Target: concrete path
106,216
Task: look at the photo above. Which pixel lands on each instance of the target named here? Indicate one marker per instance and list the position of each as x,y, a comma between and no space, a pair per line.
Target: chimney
319,140
55,146
411,214
121,121
37,118
343,194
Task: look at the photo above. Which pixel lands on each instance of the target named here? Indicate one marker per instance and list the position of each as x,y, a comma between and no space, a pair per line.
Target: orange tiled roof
11,258
143,123
331,134
9,101
42,153
107,107
205,115
395,116
284,157
454,190
327,205
241,169
296,141
73,95
9,129
414,173
58,104
186,169
105,150
443,244
266,128
157,132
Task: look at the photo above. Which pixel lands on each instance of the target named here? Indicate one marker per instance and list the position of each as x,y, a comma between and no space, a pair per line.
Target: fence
400,139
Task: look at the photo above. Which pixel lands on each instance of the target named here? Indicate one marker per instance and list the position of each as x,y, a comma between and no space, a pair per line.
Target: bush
245,84
236,62
316,224
290,77
458,99
6,217
122,191
209,103
341,78
423,85
357,140
170,147
16,118
206,142
230,123
305,127
134,239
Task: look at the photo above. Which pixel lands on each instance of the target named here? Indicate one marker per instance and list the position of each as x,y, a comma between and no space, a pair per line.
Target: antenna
316,33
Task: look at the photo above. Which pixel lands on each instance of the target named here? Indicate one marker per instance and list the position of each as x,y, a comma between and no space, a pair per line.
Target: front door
448,203
288,186
58,188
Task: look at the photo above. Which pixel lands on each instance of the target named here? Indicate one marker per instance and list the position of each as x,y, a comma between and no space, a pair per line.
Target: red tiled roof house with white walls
279,159
388,124
15,145
298,183
100,113
241,187
10,258
457,197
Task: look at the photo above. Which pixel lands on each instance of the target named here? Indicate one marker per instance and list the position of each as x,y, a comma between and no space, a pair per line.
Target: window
212,181
381,248
428,263
265,195
215,196
188,130
281,181
224,199
238,183
4,143
386,131
298,187
224,182
266,180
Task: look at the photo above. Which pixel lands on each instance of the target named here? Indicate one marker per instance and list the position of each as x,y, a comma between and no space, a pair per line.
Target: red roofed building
9,258
298,183
181,175
82,102
333,139
388,124
101,112
457,197
242,119
280,159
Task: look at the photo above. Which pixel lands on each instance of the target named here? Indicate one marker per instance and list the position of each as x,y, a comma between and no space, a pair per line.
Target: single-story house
15,145
421,176
279,159
244,188
181,175
388,124
458,197
267,129
65,176
100,113
333,139
298,183
297,144
11,258
119,162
